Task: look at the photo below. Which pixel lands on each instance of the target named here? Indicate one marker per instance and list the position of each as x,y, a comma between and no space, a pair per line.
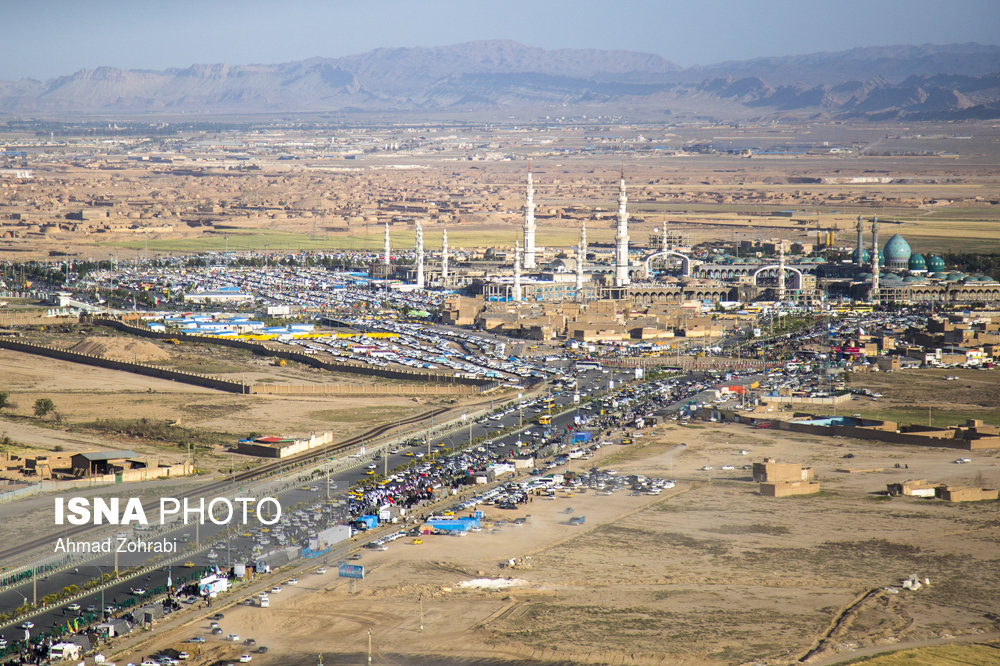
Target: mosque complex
663,274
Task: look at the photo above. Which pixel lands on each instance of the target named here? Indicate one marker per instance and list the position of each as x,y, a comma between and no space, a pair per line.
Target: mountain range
928,82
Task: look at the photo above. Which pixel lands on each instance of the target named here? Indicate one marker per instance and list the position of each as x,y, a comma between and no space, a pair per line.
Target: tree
43,406
4,399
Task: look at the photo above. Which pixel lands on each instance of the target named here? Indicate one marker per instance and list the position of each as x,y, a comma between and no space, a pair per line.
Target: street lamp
102,588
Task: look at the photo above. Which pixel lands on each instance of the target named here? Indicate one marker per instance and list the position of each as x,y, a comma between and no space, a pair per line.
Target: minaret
444,255
579,272
529,223
621,237
516,292
583,239
874,296
860,262
781,271
385,259
420,256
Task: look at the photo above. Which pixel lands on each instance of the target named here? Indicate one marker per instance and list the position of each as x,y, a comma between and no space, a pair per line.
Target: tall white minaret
781,270
529,223
860,262
874,296
621,237
444,255
385,258
420,256
579,272
516,292
583,238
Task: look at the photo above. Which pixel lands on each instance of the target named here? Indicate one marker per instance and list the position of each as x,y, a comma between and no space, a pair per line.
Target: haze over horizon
46,40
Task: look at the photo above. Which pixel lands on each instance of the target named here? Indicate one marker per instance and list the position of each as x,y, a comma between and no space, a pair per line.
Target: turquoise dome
935,263
897,252
917,262
865,256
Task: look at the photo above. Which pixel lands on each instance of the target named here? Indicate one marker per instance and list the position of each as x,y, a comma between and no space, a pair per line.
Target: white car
275,589
183,655
728,467
321,571
233,637
245,659
706,468
292,581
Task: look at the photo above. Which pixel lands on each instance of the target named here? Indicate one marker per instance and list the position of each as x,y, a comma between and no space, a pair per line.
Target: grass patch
976,654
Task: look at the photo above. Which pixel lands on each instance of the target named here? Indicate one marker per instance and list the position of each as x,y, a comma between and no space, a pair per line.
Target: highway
312,492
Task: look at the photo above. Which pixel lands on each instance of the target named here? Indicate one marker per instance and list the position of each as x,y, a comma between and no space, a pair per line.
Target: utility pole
421,612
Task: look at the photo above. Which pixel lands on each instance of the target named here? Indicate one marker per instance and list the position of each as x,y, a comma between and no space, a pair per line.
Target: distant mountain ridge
915,82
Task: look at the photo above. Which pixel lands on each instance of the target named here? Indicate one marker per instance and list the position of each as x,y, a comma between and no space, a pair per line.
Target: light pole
102,587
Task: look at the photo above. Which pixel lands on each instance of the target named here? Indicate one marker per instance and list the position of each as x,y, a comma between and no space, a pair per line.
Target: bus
544,419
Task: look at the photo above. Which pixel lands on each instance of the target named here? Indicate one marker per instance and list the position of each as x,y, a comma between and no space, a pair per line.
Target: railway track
248,475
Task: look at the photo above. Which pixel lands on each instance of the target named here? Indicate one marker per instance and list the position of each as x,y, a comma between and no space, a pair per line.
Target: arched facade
686,261
796,286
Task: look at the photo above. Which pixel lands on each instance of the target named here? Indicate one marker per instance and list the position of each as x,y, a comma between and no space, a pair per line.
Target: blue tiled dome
917,262
897,252
935,263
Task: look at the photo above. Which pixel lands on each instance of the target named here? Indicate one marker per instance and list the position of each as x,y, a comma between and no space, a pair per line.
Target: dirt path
897,647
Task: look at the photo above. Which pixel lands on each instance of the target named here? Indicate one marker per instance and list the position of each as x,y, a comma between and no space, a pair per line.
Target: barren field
709,572
911,396
85,394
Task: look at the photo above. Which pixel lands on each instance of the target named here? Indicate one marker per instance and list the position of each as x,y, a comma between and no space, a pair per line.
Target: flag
170,581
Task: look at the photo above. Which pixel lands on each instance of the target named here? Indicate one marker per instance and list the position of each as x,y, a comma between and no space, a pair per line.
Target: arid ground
709,572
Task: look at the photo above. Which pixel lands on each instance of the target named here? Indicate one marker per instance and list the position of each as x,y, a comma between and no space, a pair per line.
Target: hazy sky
46,38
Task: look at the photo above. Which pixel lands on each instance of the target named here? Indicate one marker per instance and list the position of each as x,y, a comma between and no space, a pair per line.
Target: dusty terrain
940,190
85,394
708,572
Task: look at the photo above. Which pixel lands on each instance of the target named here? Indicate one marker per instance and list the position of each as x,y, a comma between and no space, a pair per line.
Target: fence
18,493
263,349
689,363
138,368
346,388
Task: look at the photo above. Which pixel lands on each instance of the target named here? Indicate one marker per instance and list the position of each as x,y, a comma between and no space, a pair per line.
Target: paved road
239,548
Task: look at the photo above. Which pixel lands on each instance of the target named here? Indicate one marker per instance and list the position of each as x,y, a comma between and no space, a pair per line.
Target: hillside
906,82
